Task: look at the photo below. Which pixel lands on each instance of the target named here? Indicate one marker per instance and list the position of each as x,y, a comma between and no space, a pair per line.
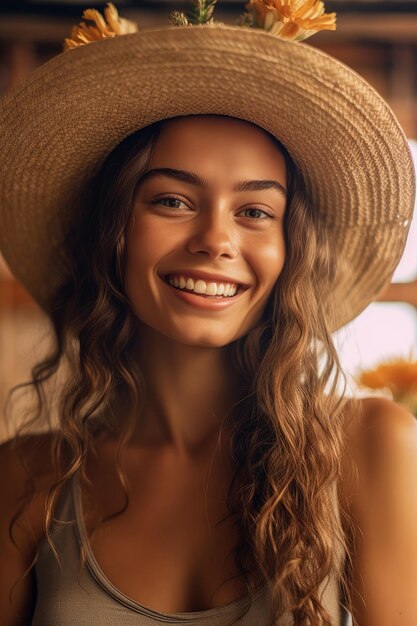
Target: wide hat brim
57,127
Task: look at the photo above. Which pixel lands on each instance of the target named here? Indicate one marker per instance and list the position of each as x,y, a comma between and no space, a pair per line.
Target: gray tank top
70,596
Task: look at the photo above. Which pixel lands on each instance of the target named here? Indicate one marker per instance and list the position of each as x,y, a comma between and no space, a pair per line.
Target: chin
202,338
203,342
196,335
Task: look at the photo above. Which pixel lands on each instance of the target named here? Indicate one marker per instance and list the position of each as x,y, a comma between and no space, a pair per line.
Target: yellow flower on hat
111,26
288,19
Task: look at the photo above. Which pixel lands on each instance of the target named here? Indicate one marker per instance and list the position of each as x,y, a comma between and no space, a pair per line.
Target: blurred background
378,39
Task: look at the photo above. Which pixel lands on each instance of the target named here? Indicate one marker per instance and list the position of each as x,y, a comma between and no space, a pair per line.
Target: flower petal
298,19
86,33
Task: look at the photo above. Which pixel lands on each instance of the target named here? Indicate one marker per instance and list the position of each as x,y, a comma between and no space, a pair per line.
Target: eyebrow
195,179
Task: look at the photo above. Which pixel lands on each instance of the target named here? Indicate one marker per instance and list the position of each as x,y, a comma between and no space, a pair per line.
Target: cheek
140,256
146,244
268,261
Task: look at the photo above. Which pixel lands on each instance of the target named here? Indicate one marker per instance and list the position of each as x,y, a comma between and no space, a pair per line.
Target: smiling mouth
203,295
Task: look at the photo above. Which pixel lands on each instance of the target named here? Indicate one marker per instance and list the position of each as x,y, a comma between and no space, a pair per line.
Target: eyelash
268,215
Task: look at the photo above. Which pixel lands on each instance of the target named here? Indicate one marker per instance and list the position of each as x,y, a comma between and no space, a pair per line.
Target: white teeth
211,289
200,286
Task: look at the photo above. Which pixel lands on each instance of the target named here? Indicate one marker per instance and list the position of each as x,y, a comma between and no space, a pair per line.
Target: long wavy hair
288,429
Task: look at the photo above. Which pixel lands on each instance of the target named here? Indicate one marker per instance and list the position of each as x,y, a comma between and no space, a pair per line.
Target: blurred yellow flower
397,375
110,27
289,19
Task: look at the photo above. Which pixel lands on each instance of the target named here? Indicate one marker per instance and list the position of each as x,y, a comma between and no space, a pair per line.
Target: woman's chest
172,548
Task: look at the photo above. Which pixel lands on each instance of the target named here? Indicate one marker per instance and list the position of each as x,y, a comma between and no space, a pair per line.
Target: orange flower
86,33
289,19
399,375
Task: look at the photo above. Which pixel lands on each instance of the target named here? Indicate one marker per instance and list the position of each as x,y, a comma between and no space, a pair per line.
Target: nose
214,235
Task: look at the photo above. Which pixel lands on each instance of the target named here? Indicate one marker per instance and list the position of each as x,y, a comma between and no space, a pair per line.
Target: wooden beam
400,292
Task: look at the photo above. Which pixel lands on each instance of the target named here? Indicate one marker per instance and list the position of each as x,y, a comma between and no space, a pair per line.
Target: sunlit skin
184,351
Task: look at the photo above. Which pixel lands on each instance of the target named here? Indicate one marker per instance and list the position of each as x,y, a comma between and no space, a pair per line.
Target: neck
189,392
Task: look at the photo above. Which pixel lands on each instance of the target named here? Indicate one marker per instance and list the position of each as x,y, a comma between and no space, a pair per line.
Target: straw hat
57,127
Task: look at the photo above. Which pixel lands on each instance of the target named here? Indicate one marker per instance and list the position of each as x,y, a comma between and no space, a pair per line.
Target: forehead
217,139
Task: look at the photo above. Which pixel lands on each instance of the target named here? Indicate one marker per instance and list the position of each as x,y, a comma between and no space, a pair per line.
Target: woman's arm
14,562
384,447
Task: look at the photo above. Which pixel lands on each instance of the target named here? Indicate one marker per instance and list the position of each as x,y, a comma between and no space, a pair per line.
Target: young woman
196,209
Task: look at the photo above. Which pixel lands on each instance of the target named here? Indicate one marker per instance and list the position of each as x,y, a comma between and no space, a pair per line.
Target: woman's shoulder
25,466
373,423
377,431
24,456
382,438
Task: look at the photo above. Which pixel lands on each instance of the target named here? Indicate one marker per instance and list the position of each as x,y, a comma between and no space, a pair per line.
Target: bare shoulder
25,464
382,442
376,429
367,414
33,446
26,457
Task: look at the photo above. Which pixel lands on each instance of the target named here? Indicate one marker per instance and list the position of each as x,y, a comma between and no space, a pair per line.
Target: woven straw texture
57,127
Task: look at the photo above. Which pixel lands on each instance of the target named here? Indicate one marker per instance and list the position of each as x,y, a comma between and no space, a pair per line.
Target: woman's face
199,225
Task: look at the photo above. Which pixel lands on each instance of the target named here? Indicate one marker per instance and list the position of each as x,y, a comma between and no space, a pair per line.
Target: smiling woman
173,431
237,236
194,249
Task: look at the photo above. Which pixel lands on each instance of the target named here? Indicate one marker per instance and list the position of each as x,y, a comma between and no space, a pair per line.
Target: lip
199,301
207,276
